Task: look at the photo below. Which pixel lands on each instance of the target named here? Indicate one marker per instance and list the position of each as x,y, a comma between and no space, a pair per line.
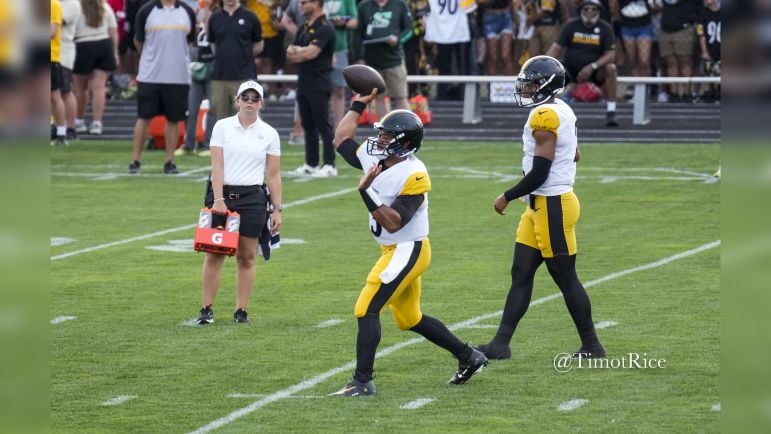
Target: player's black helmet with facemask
540,78
406,131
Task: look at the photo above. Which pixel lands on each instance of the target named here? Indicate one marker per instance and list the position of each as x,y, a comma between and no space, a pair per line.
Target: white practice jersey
558,118
409,177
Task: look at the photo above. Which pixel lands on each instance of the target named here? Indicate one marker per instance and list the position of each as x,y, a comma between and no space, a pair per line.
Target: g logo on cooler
216,238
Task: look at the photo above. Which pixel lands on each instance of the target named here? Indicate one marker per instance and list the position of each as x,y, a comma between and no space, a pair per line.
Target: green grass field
123,266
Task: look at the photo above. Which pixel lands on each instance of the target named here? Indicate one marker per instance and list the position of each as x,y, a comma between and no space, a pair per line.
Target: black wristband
358,107
371,199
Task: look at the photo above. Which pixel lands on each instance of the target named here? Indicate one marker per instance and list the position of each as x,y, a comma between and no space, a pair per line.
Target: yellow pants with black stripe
549,224
395,281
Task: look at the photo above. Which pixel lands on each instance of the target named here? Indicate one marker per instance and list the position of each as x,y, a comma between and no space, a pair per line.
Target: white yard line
60,319
716,407
188,227
330,323
120,399
413,405
605,324
572,404
313,381
263,395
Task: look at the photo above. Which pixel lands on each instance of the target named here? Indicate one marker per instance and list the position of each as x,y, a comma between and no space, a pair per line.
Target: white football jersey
558,118
409,177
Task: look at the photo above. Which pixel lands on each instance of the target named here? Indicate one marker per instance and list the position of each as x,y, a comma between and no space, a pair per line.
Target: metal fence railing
472,109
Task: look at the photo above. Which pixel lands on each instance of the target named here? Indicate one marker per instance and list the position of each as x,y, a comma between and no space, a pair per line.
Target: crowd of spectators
398,37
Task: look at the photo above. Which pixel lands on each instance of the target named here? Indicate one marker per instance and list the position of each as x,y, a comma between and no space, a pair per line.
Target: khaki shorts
395,80
678,43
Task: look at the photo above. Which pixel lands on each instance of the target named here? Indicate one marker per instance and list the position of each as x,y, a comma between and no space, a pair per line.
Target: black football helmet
400,133
540,78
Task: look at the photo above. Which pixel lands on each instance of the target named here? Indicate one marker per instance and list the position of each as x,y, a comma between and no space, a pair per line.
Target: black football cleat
356,388
240,316
495,351
466,368
206,316
595,352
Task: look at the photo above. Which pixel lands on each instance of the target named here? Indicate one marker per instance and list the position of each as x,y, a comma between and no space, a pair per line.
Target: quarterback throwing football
394,188
546,231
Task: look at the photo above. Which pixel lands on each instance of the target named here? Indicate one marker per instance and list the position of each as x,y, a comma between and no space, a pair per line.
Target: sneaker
182,152
663,96
80,126
596,352
204,153
717,174
134,167
59,141
241,317
325,171
96,128
290,95
466,368
169,168
296,140
610,119
495,351
53,132
206,316
71,134
356,388
304,170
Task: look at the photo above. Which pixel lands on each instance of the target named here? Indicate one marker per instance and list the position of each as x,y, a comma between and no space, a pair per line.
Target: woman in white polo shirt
245,155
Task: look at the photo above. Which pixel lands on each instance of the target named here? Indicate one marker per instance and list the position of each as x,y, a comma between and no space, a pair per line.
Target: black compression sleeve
348,151
407,206
534,179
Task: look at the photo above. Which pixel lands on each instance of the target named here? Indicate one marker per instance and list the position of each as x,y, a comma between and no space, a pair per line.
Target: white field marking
190,322
572,404
60,319
482,326
61,241
181,246
120,399
420,402
329,323
292,241
610,179
605,324
189,227
313,381
716,407
262,395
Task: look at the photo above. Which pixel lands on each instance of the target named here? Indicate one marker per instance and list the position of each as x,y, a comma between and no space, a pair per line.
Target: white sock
61,130
611,106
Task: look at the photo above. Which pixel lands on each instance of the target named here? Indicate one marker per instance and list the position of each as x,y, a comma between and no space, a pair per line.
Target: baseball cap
250,84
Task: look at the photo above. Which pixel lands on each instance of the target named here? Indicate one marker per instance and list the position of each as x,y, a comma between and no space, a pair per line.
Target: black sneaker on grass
71,134
206,316
134,167
595,352
356,388
466,368
495,351
241,317
169,168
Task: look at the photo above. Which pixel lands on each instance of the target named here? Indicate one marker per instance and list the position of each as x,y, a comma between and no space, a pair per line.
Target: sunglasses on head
250,98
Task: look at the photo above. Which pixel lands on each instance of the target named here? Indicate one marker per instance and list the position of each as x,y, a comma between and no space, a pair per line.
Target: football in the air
362,79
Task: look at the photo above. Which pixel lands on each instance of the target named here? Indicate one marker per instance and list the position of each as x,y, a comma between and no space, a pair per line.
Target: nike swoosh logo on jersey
419,178
542,112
